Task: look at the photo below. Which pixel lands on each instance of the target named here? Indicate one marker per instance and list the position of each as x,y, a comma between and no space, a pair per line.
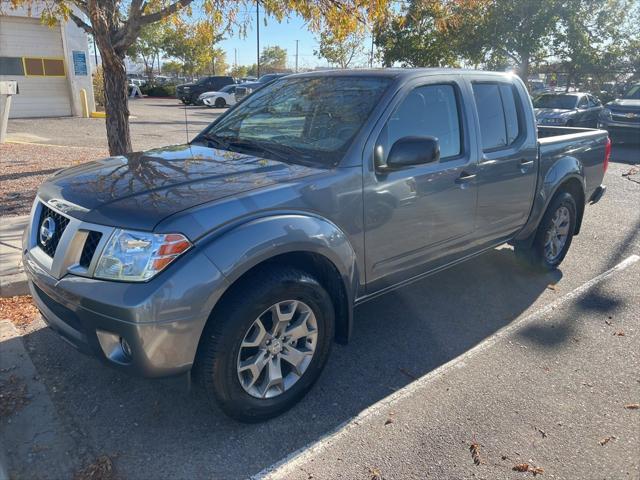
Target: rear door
507,167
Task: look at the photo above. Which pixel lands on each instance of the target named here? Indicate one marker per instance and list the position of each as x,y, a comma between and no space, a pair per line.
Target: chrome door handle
526,163
465,177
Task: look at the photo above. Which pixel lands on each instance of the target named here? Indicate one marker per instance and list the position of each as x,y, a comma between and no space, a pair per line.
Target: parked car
536,86
246,89
567,109
621,118
241,255
188,93
224,98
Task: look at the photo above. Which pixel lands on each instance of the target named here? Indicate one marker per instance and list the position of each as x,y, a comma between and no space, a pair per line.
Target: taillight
607,154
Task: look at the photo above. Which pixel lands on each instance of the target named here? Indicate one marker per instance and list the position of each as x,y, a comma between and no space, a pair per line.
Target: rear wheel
220,103
554,235
267,344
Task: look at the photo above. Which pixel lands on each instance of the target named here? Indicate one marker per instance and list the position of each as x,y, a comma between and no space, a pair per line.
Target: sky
282,34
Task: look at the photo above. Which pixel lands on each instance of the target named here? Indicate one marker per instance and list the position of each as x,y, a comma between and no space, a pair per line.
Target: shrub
98,87
159,90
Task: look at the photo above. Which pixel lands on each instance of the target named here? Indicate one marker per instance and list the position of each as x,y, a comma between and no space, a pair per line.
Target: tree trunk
524,69
116,103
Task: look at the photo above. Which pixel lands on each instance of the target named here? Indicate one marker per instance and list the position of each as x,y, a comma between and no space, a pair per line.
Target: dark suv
188,93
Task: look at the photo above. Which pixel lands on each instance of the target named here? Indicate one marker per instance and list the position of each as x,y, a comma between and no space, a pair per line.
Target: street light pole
258,37
297,55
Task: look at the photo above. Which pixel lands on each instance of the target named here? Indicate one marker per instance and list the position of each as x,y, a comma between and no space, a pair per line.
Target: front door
414,214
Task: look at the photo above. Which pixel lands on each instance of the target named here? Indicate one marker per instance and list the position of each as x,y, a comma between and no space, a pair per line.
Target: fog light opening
126,349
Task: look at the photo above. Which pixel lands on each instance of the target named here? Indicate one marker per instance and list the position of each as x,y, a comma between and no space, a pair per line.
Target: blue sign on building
79,63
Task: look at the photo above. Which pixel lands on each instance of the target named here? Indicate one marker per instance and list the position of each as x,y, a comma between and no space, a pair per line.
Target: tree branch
81,23
165,12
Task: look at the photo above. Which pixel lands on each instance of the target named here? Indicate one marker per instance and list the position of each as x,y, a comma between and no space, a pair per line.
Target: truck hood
140,189
629,105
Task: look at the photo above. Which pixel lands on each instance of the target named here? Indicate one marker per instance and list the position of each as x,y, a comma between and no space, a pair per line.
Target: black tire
535,255
216,364
570,123
220,103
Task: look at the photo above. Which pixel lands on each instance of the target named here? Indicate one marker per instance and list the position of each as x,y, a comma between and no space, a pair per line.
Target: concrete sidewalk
12,278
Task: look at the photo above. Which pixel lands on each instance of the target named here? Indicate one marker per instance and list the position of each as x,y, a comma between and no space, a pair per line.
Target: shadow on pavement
159,430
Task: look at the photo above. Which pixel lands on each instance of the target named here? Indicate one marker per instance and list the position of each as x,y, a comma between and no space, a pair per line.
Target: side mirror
409,151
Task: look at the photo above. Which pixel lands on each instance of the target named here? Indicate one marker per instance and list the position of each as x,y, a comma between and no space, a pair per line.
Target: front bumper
160,320
626,130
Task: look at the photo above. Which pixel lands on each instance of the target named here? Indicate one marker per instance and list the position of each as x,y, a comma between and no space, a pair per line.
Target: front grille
49,243
622,117
90,245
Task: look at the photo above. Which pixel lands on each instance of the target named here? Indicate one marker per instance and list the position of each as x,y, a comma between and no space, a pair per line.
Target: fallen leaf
542,432
632,406
606,440
525,467
100,469
474,448
552,286
375,473
608,322
619,333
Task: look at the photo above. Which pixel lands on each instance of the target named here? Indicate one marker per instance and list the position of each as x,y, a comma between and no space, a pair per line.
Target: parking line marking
291,461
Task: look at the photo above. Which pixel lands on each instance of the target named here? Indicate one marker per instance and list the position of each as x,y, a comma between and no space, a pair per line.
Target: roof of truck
394,72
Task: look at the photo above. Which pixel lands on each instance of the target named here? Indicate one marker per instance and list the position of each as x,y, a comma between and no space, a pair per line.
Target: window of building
11,66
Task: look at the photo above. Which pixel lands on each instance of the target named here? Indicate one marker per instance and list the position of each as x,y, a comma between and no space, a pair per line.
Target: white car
224,98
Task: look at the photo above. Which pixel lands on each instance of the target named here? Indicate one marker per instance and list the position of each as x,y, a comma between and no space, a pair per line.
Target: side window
430,110
593,102
510,112
500,123
583,102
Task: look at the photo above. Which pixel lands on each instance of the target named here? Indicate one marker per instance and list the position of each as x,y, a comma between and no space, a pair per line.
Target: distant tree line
576,37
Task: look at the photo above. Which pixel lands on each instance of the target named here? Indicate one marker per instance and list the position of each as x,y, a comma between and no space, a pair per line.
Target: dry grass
23,167
100,469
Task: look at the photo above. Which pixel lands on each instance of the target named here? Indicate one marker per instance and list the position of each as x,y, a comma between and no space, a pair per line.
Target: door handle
465,177
526,163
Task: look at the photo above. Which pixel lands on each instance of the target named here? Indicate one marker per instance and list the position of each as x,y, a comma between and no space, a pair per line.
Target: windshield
633,93
563,102
308,120
267,78
228,88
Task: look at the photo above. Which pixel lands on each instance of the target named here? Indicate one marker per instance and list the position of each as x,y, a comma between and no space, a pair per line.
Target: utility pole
297,55
371,57
235,58
258,37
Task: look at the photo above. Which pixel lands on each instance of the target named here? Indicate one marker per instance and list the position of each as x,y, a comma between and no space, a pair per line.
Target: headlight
605,113
138,256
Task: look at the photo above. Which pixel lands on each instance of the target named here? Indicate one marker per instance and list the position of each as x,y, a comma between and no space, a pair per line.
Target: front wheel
554,235
220,103
267,344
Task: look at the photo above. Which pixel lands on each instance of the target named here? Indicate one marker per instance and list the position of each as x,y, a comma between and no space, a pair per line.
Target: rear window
498,114
561,102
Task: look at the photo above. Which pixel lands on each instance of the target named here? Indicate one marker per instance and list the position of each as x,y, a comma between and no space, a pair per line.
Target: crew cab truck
240,256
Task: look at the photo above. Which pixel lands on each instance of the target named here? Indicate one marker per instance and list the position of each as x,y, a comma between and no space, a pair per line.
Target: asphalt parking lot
157,429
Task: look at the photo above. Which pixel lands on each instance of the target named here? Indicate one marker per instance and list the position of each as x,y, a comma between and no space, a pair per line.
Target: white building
50,64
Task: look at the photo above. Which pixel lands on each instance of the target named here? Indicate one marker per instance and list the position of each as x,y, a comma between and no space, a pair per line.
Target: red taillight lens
607,154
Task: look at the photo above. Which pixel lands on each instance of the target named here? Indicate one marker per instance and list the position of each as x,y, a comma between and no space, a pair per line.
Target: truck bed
584,146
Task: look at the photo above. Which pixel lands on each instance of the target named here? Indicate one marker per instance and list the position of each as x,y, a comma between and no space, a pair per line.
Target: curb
16,285
13,280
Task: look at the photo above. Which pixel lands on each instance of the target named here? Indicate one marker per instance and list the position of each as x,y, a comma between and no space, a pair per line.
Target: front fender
238,250
561,171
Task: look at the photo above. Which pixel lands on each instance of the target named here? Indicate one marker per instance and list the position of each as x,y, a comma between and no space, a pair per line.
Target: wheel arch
311,244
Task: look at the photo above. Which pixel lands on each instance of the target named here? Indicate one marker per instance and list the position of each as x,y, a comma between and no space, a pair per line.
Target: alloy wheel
557,234
277,349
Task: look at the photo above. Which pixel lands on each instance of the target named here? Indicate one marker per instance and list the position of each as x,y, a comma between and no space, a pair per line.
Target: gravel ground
23,167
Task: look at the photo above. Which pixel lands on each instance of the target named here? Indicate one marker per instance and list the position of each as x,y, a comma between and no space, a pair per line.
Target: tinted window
491,113
427,111
582,103
498,113
510,112
562,102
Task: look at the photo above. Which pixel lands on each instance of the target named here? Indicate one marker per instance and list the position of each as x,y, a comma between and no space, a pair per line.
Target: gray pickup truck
240,256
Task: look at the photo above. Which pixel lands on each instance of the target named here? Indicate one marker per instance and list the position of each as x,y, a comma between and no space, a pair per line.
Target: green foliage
273,59
148,46
172,67
239,71
98,87
340,51
159,90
